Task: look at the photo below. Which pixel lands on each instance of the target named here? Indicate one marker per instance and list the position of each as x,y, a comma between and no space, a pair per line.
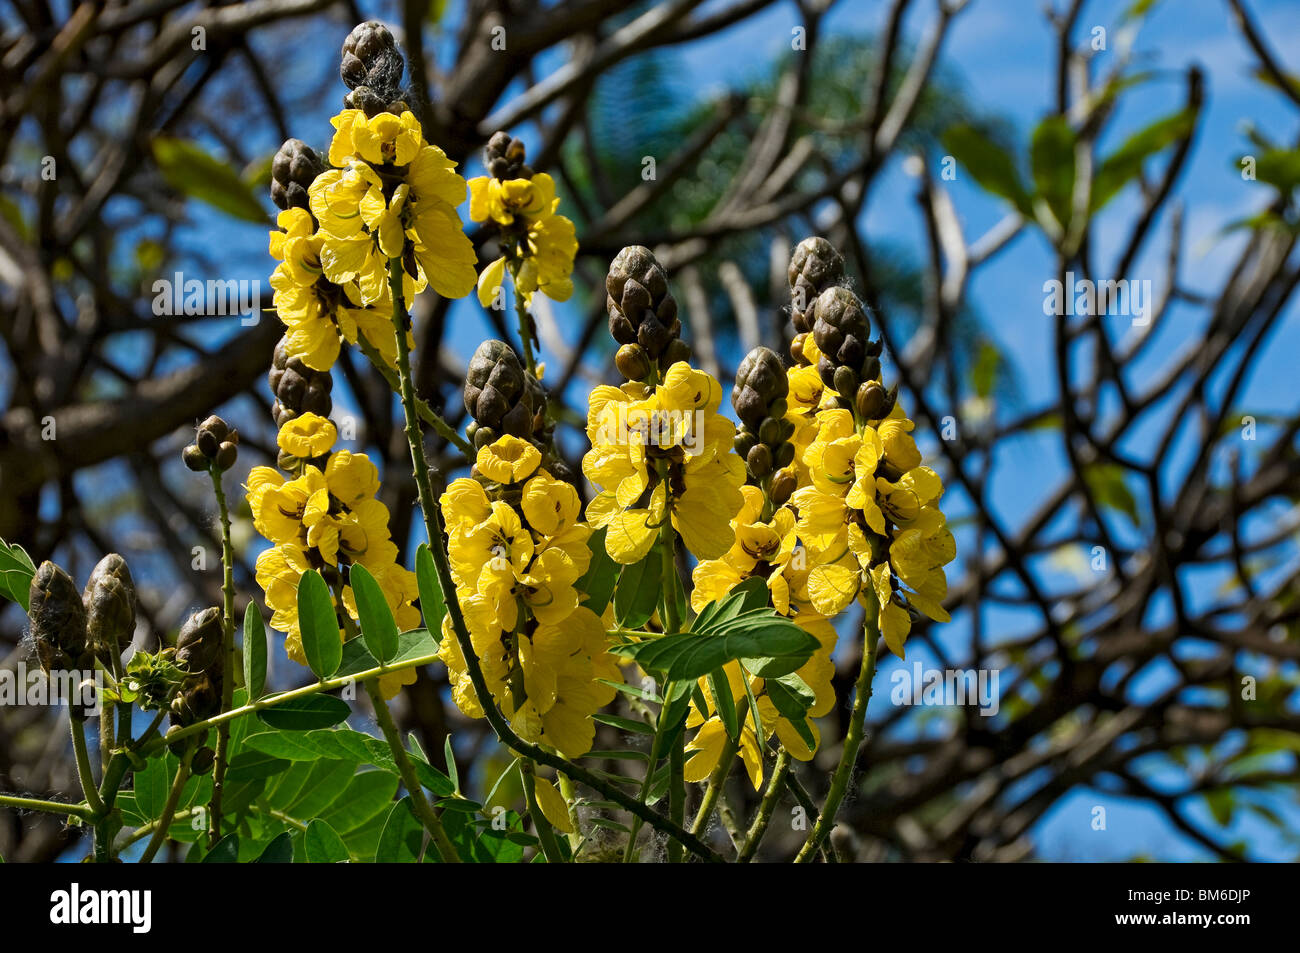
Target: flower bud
58,619
198,646
759,461
194,458
298,388
871,400
226,455
632,362
370,58
784,483
109,599
202,761
293,170
641,308
814,267
504,157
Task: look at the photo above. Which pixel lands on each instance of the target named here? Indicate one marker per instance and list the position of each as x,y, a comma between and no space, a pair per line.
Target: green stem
852,741
525,325
271,701
169,809
48,807
677,792
656,748
805,801
545,833
88,789
227,655
569,793
766,807
423,809
500,726
721,771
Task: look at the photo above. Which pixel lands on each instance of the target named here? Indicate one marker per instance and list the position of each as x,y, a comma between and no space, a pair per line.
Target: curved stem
84,775
525,322
423,809
48,807
227,655
164,823
852,741
775,785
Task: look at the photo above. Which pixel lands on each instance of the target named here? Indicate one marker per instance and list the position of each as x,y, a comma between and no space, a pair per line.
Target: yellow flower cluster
515,557
659,453
869,510
544,243
771,549
389,196
325,518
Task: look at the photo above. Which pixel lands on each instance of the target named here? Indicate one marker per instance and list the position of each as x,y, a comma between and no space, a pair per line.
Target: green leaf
637,592
1222,805
325,784
320,625
322,845
255,765
402,838
226,851
151,786
749,595
1125,163
368,794
449,756
989,165
720,686
1052,160
378,627
191,171
306,713
601,576
412,644
623,724
279,851
254,651
792,698
1279,168
1109,488
985,370
768,645
16,572
432,602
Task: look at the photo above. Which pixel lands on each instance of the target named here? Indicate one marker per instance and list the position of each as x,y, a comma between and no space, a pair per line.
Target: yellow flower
384,139
542,243
501,201
508,460
307,435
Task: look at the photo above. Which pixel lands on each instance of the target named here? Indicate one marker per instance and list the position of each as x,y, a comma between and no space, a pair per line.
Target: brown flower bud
109,599
871,400
641,308
293,170
504,157
784,483
198,646
194,458
632,362
58,619
814,267
370,58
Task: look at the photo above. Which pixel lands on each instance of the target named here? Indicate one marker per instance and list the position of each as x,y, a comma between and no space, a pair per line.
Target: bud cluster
372,68
815,266
198,655
216,444
298,389
642,315
504,157
763,439
504,399
293,170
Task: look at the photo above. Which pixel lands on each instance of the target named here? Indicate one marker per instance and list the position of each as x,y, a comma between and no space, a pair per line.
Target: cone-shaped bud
641,308
814,267
109,599
198,646
58,619
293,170
298,388
371,59
841,329
504,157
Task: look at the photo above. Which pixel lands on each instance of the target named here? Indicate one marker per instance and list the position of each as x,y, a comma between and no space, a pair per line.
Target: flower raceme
663,452
538,244
325,518
388,195
517,548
